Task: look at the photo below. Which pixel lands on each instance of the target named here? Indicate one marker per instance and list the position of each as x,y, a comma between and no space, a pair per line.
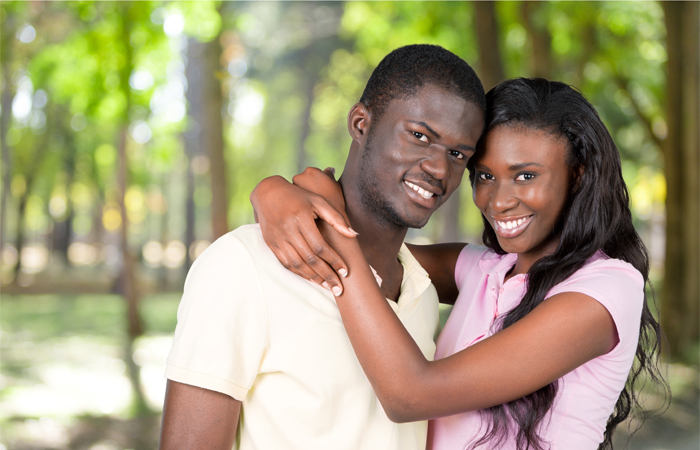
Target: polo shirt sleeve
619,287
222,328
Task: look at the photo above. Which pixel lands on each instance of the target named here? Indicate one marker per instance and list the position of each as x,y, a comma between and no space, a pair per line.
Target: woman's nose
503,197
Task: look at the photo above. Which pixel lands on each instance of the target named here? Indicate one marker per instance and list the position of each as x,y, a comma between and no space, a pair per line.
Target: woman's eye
483,176
525,177
420,136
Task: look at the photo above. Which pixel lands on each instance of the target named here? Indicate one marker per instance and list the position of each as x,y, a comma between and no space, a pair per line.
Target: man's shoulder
244,245
246,236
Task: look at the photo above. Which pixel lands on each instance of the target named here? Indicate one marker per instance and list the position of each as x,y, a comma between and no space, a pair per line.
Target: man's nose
503,197
436,164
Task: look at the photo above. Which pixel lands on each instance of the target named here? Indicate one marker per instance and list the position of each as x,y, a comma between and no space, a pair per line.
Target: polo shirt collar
415,279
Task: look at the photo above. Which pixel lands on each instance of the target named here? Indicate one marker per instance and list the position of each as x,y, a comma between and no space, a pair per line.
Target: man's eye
420,136
525,177
456,154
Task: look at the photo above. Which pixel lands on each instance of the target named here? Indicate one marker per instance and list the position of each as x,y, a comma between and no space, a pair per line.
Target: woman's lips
511,228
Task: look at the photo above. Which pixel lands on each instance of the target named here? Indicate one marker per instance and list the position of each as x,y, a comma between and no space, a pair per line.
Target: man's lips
422,192
511,227
425,196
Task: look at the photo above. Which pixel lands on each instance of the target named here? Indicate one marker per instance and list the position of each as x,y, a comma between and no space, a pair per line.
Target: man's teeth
422,192
511,223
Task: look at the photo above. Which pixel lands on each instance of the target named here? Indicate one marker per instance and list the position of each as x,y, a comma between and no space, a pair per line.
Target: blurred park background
133,132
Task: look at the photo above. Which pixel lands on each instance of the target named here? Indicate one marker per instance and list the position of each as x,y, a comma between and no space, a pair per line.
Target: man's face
415,155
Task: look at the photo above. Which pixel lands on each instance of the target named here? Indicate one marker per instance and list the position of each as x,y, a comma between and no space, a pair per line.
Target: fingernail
353,231
337,291
343,273
325,285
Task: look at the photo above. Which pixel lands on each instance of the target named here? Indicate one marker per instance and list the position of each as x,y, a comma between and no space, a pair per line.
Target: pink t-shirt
587,395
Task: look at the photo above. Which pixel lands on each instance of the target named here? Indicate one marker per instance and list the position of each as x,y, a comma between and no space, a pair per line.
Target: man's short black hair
405,70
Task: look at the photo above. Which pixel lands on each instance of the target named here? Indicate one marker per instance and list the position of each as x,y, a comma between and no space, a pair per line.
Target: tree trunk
212,135
128,275
540,39
192,137
310,77
19,236
7,39
63,231
450,216
681,287
490,62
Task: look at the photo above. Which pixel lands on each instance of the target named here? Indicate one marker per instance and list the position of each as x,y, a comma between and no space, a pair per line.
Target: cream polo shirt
249,328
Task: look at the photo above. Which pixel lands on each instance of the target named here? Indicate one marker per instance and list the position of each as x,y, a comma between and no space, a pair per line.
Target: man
260,355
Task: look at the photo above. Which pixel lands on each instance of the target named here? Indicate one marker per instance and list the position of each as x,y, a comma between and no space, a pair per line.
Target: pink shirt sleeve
619,287
468,258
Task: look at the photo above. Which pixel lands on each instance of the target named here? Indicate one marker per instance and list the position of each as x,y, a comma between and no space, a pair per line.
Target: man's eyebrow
423,124
467,148
515,167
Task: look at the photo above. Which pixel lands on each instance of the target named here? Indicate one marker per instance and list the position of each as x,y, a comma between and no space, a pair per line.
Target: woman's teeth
422,192
510,224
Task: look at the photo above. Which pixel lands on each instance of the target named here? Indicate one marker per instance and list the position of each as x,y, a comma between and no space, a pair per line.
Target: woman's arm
564,332
287,215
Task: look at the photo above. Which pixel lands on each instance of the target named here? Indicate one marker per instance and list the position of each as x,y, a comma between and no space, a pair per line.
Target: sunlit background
133,133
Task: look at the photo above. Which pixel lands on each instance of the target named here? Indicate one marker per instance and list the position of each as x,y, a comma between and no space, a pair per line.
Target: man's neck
380,241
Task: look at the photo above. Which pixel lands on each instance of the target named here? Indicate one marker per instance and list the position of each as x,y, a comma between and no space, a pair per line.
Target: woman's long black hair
596,217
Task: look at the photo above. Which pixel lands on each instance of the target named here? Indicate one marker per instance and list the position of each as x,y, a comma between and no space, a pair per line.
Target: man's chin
411,222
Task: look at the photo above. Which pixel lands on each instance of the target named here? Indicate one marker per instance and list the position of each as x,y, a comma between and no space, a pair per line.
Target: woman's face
521,186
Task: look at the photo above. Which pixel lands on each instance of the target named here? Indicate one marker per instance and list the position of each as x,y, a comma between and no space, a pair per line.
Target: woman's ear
359,119
577,175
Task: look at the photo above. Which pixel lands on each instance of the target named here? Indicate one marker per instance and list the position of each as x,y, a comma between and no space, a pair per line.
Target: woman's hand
287,215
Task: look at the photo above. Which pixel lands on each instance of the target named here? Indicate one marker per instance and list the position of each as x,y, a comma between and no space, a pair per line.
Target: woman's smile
511,227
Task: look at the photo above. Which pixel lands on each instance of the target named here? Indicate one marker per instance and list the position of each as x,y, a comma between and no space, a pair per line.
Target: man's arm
196,418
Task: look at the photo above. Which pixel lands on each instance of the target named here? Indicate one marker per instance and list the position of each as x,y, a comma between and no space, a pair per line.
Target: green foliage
290,71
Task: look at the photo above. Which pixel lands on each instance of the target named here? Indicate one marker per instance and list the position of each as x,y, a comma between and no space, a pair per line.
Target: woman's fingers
313,253
325,252
287,255
326,212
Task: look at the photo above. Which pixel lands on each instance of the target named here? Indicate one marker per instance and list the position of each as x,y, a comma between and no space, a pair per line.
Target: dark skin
528,180
430,153
424,140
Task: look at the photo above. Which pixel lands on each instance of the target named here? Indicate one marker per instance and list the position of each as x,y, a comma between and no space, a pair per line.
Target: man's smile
422,192
427,196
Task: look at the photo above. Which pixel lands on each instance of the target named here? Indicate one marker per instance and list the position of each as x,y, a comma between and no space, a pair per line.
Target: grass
63,382
62,373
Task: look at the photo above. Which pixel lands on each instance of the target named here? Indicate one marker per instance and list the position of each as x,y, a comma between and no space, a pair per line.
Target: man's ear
359,119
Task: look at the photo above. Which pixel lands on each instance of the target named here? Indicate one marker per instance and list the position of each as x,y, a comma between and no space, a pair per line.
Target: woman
550,316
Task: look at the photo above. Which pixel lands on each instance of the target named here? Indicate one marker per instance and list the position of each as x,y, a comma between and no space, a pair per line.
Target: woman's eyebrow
520,166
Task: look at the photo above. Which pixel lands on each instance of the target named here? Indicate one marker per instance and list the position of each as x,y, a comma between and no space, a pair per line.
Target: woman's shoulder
477,259
602,266
614,283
